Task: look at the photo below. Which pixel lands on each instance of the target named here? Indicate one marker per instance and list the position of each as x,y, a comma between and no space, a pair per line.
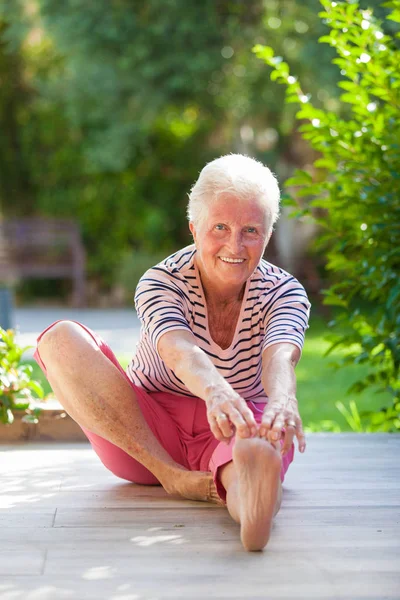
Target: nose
236,243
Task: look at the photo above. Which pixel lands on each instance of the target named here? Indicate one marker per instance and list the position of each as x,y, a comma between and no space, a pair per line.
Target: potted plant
22,400
18,391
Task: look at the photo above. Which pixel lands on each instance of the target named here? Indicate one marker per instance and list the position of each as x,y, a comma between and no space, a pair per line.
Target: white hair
245,177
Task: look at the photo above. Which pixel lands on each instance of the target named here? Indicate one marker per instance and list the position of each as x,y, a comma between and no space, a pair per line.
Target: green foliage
324,425
353,193
109,110
132,266
17,388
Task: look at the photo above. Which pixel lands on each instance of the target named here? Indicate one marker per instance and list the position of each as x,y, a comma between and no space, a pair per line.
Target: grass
319,386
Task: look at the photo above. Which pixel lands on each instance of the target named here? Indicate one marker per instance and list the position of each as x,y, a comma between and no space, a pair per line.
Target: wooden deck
70,529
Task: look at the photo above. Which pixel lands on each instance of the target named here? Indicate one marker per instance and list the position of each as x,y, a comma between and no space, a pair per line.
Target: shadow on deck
71,529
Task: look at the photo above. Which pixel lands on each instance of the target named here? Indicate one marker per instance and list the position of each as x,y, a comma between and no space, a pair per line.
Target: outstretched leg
100,398
254,489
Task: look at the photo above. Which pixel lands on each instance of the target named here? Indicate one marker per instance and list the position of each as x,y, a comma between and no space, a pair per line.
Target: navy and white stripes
170,296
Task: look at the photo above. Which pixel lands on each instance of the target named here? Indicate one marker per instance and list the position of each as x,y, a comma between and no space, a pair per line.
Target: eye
251,230
220,226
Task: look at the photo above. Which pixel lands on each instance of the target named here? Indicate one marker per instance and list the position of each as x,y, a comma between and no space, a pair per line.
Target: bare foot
194,485
258,466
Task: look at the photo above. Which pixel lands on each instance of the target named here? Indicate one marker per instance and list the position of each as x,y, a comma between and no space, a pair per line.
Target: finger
272,427
268,418
301,439
288,439
275,433
250,420
215,429
224,425
244,421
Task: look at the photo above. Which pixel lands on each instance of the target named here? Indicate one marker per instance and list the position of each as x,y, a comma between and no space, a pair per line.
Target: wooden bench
36,248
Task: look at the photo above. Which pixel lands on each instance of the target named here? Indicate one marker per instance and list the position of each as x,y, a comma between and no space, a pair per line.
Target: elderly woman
207,407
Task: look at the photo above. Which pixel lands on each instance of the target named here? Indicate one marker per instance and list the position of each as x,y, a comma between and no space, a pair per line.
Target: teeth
232,260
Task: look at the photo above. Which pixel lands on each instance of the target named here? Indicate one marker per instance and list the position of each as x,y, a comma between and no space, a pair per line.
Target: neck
220,296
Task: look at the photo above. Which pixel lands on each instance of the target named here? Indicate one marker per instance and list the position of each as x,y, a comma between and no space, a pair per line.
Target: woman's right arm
179,351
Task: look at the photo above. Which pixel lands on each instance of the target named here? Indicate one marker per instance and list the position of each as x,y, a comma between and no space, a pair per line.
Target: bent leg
99,397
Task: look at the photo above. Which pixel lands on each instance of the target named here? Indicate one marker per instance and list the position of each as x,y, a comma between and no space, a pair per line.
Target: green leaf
287,200
21,405
352,418
292,99
36,387
328,163
394,16
348,85
10,417
335,301
325,39
393,296
264,52
300,177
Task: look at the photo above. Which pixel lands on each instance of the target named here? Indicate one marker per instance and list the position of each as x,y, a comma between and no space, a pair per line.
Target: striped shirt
170,296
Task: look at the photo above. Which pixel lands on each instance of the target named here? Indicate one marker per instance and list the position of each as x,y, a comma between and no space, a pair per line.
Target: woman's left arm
279,381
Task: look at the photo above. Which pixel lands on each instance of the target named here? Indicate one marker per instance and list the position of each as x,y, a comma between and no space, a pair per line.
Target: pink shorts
178,422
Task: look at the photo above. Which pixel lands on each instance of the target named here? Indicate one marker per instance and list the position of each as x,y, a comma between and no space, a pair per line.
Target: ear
193,231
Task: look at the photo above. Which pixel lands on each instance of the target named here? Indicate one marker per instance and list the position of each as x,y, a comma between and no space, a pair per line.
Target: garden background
109,110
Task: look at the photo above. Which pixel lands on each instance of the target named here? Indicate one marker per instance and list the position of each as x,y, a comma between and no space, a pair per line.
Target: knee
60,339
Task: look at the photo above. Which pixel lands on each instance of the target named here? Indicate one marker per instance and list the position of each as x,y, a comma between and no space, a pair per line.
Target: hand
227,411
278,414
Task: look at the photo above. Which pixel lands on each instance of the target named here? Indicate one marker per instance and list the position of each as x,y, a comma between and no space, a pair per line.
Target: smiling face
230,243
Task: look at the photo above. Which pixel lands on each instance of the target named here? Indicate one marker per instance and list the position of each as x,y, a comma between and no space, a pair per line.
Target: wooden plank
284,536
21,560
337,534
113,499
22,519
373,520
217,568
30,483
175,553
305,480
101,583
307,517
132,495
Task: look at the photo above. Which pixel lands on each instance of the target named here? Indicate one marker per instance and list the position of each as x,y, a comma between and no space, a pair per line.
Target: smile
232,260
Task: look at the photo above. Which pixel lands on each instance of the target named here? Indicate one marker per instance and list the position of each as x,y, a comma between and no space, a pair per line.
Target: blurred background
108,112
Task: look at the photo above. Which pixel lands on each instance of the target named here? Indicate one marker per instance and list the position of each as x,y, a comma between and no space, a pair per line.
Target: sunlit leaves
17,388
356,183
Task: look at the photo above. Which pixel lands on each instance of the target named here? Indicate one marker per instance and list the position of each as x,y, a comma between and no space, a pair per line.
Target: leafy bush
110,110
16,385
354,192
